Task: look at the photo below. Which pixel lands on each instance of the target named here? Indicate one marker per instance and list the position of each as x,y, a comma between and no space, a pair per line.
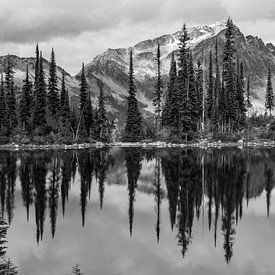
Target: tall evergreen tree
210,90
269,97
185,116
39,119
52,96
194,104
217,91
3,110
248,95
102,119
231,103
36,68
64,103
170,115
26,101
240,94
199,89
10,94
133,127
158,90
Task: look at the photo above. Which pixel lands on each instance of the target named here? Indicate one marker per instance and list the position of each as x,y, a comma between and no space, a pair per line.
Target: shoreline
158,145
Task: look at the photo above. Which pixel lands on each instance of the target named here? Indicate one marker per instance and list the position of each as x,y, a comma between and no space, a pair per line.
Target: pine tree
52,96
248,95
3,110
185,116
89,116
269,98
217,91
210,90
158,90
240,94
194,104
64,103
26,101
102,119
133,127
199,89
36,69
170,115
83,117
10,95
39,119
229,76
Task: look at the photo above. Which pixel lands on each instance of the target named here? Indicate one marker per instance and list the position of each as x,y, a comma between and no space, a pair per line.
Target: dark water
132,211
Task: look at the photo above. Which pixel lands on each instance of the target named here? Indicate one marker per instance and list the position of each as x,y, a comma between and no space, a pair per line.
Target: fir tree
36,68
39,119
185,116
231,103
269,97
170,115
10,94
240,94
210,90
248,95
102,119
199,89
3,110
64,103
26,101
133,127
194,104
158,90
52,96
217,91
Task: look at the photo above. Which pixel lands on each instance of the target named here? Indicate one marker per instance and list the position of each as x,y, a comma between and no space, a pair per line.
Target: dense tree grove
207,96
43,111
188,109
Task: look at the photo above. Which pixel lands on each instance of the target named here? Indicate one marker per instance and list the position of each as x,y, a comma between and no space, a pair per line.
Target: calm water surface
132,211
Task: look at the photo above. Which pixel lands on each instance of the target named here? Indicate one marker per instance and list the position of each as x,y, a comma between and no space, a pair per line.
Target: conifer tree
170,115
88,115
26,101
248,95
240,94
52,96
210,90
133,127
10,95
102,119
231,103
36,68
3,110
217,91
64,103
199,89
158,90
194,104
83,117
185,116
39,119
269,97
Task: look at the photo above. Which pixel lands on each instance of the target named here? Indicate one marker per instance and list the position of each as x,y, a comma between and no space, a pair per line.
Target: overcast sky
80,29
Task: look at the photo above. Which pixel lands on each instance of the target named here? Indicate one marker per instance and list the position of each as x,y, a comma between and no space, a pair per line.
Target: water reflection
211,185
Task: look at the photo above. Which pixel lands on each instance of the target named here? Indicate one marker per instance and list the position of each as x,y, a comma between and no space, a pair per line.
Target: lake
136,211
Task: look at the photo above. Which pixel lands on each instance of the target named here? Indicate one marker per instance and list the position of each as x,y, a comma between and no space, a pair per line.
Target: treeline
45,113
217,103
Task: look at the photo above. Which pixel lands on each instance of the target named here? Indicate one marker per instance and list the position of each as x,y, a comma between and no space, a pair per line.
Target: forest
201,101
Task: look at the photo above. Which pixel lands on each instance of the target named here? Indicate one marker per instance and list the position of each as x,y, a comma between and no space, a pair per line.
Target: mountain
111,67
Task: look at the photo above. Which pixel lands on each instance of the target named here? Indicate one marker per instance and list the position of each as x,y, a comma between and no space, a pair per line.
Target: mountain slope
112,66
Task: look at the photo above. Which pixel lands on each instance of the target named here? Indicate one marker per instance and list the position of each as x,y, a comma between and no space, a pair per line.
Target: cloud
79,30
